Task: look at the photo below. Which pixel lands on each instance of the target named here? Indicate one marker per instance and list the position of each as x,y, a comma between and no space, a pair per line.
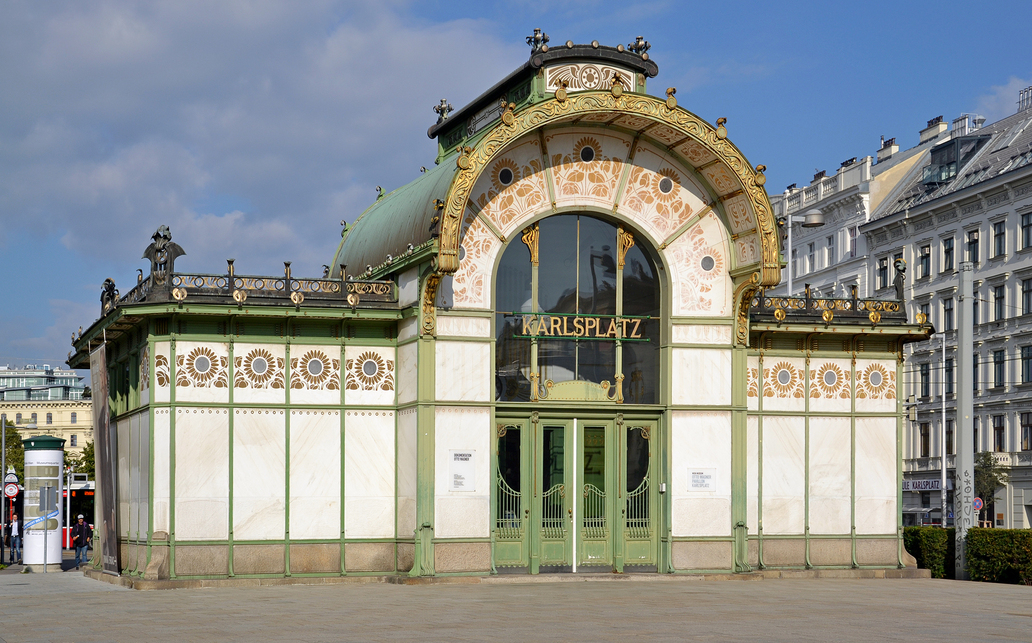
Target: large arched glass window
578,306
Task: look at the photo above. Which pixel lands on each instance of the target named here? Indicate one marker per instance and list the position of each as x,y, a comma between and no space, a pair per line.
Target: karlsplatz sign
926,485
572,326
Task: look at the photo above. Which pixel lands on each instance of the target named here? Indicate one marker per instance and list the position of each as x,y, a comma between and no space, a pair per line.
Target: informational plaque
702,479
463,470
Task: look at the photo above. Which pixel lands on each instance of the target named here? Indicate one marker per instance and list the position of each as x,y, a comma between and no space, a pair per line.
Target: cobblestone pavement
68,607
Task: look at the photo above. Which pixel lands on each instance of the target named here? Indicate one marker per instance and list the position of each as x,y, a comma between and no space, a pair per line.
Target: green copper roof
43,443
396,220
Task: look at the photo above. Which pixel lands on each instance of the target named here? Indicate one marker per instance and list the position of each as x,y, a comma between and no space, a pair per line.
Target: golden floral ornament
782,380
370,371
201,368
161,370
315,371
258,369
876,382
504,173
829,380
752,377
145,368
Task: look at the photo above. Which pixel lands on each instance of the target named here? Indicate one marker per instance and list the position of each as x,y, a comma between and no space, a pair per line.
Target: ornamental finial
639,46
443,110
538,42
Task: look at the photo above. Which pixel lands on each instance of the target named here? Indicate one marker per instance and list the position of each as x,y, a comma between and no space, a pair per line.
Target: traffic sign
11,490
978,504
11,477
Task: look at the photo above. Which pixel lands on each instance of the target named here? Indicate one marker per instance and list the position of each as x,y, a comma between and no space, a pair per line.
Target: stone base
369,557
702,555
462,557
51,568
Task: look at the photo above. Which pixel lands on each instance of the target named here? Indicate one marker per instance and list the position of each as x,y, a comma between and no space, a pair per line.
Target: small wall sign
463,471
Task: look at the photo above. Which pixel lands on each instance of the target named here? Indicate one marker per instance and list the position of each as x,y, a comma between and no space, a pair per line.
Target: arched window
17,418
33,418
588,312
75,417
50,418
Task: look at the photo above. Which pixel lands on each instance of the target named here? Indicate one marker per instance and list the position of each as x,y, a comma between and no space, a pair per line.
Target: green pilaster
739,457
172,450
286,453
423,563
231,415
806,456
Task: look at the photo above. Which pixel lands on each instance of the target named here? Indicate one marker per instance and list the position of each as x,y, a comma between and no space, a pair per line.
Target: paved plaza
69,607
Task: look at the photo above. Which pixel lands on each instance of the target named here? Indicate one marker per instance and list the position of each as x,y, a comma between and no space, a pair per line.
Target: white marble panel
752,377
202,372
455,326
408,373
408,467
876,385
259,373
783,475
876,477
307,387
408,328
134,476
202,474
161,469
830,491
701,440
122,431
315,474
162,372
699,261
259,474
701,376
752,473
369,474
408,288
783,383
370,375
462,514
830,389
702,334
463,371
145,471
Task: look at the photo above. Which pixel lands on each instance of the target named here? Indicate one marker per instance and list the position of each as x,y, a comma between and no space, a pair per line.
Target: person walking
81,537
15,538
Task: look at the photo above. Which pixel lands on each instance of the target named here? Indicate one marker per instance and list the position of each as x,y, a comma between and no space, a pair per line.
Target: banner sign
568,326
105,445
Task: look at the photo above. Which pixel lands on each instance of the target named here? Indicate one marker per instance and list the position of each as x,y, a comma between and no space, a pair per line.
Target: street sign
47,499
950,514
11,490
11,477
978,504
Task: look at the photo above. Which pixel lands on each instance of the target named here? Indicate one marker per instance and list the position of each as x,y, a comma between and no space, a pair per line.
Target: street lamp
812,219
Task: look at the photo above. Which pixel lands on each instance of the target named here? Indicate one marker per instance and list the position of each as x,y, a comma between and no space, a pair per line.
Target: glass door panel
511,506
595,493
639,504
553,512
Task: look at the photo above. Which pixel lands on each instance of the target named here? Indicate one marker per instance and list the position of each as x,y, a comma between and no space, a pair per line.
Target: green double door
575,494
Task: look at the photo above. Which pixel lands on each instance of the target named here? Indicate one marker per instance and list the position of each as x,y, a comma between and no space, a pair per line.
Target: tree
989,476
84,463
15,451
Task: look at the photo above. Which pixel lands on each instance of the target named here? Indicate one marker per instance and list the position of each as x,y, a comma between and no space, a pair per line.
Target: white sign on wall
926,485
702,479
463,471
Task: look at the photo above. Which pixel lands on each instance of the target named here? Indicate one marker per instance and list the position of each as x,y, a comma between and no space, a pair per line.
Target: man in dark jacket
81,537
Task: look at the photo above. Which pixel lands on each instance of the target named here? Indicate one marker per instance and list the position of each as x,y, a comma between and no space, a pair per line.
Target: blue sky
252,128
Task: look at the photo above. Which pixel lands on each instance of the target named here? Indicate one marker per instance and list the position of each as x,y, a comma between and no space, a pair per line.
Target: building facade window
50,418
926,310
947,254
948,374
947,313
926,440
999,368
17,418
75,417
1026,364
1026,431
34,418
974,371
1026,296
924,262
795,263
972,246
976,312
949,437
974,434
926,385
854,232
999,239
999,303
75,440
1026,230
829,258
883,272
811,265
998,434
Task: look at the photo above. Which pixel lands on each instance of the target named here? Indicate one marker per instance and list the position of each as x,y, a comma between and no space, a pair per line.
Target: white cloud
1002,100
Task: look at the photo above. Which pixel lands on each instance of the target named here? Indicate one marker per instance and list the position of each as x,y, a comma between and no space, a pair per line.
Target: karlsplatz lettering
581,326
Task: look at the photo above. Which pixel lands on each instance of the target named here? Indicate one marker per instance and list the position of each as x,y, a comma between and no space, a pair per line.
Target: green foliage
1000,555
989,476
84,463
931,546
15,451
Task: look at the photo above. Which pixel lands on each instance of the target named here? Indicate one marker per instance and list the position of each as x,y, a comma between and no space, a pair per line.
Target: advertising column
44,463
